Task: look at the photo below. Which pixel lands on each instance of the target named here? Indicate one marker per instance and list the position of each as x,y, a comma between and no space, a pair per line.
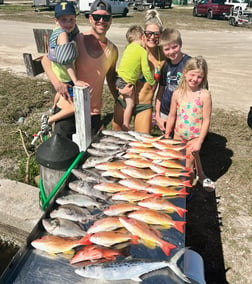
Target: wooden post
82,117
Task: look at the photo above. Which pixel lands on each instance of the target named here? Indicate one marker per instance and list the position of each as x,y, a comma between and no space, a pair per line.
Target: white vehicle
119,7
238,4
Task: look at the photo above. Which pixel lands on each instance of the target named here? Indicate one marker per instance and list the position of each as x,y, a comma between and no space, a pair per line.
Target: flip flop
208,185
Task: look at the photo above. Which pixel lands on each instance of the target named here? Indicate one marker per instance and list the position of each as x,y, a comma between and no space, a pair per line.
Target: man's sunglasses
97,17
148,34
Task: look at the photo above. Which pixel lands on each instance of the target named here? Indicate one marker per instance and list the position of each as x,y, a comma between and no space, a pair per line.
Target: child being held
133,64
63,52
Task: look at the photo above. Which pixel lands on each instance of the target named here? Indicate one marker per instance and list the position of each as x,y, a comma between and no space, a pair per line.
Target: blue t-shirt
169,77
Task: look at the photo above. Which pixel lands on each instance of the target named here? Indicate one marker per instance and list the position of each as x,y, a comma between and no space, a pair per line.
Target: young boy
63,52
171,72
134,62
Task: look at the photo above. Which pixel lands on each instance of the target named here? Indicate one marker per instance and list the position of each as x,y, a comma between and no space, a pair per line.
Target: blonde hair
169,36
152,18
194,63
134,33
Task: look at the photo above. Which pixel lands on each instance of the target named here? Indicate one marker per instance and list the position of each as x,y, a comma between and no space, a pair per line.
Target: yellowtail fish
164,146
134,183
143,231
167,181
139,163
153,217
167,191
94,252
138,173
110,165
111,187
105,224
120,209
133,269
55,244
173,154
140,144
115,174
170,164
169,171
161,204
110,238
132,196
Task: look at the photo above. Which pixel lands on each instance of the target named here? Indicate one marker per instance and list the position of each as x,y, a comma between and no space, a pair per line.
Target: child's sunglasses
148,34
97,17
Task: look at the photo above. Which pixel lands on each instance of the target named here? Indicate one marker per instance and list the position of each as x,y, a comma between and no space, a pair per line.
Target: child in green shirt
133,64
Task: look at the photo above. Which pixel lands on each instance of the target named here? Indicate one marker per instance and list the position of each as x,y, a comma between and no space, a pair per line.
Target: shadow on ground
203,220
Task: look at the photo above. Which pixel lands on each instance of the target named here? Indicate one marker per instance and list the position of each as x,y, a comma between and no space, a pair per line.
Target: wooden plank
82,117
33,66
42,38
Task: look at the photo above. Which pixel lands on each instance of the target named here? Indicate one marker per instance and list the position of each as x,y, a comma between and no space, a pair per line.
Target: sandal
208,185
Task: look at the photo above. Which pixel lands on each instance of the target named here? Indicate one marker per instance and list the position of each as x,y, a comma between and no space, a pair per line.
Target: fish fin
187,183
85,240
69,252
166,247
181,211
183,191
187,156
149,244
174,267
179,225
134,239
137,278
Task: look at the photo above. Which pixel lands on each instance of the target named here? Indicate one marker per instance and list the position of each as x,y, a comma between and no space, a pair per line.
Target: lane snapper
115,173
132,269
55,244
139,150
151,138
161,204
172,141
143,231
140,144
164,146
132,196
138,173
120,209
134,183
111,187
154,156
170,164
110,238
169,171
154,217
139,163
167,181
105,224
110,165
167,191
173,154
95,252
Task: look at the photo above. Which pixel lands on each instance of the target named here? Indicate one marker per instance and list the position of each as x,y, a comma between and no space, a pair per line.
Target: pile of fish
121,197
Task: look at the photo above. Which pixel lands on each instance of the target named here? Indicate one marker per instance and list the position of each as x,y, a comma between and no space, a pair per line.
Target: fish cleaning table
31,265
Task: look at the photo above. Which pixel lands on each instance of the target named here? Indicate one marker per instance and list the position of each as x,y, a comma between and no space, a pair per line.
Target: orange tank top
93,70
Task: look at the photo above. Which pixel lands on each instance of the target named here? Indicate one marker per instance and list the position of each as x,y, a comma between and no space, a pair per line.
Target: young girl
190,111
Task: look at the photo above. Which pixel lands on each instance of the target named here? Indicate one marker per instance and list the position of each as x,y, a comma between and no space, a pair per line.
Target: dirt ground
225,244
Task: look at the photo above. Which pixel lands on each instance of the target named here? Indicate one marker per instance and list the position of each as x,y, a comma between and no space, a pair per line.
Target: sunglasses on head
148,34
97,17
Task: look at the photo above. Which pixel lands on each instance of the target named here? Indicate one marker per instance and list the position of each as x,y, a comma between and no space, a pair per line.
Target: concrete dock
19,210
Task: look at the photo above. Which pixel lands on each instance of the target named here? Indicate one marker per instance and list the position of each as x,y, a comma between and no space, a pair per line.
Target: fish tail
187,183
85,240
134,239
186,174
174,267
179,225
188,156
181,211
183,191
167,247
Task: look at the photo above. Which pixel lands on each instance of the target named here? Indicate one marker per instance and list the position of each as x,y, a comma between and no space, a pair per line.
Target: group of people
152,67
